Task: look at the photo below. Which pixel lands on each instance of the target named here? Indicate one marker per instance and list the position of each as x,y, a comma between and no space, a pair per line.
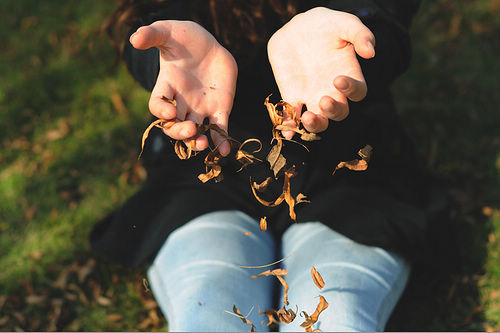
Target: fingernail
371,46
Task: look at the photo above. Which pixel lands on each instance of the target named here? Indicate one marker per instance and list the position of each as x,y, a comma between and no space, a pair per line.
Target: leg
362,283
196,276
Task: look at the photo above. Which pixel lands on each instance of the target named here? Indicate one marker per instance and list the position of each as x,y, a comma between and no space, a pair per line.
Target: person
334,62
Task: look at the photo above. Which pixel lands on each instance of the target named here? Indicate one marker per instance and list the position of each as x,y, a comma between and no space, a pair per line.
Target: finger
181,130
201,142
159,104
353,89
333,109
356,33
220,119
313,122
155,34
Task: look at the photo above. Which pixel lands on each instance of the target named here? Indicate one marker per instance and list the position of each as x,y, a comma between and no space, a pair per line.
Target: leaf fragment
271,313
356,165
318,280
365,153
213,169
262,187
286,315
244,319
312,319
246,158
247,233
263,223
274,203
274,272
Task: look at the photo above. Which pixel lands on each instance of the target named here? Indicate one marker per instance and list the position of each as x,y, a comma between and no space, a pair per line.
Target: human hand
195,71
313,58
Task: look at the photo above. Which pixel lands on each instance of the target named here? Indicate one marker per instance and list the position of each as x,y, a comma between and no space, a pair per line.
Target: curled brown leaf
318,280
270,314
285,315
312,319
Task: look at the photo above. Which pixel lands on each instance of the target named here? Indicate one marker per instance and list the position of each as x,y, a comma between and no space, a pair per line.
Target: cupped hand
314,62
195,71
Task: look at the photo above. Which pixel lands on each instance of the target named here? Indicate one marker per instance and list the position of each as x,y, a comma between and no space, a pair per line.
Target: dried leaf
270,316
161,123
318,280
356,165
286,315
186,152
274,272
287,194
244,318
262,186
285,286
246,158
300,198
276,118
365,153
274,203
246,233
311,320
310,136
276,160
263,223
213,169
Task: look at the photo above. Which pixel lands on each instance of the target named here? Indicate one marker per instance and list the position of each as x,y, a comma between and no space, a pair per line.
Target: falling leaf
356,165
270,316
318,280
213,169
274,203
262,187
286,315
246,158
276,160
274,272
312,319
263,223
365,153
244,319
246,233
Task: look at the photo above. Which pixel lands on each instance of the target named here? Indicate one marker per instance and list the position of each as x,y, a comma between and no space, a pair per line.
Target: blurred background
70,128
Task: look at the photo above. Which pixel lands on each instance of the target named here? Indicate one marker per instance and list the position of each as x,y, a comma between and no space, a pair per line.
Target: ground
70,127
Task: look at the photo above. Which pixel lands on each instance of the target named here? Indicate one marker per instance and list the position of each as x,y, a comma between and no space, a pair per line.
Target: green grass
68,157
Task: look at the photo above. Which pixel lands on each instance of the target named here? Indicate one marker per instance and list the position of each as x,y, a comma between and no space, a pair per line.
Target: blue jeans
196,276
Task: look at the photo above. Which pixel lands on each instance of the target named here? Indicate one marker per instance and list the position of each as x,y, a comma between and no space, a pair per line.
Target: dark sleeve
389,20
144,64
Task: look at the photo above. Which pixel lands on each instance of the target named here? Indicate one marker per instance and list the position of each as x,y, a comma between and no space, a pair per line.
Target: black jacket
383,206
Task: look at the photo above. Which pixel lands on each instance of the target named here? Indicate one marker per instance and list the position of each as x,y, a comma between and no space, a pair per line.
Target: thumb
361,37
153,35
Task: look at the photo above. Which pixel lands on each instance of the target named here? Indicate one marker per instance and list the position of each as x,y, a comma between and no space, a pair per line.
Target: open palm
314,62
195,71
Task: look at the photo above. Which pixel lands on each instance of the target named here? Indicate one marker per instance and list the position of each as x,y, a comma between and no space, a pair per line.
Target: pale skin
313,58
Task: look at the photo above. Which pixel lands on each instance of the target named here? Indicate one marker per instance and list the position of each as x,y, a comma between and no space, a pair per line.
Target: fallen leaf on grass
114,317
318,280
312,319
